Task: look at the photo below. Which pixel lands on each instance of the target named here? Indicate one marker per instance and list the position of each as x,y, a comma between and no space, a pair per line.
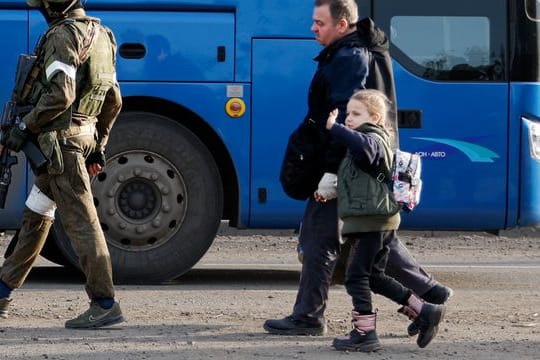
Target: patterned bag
402,177
406,182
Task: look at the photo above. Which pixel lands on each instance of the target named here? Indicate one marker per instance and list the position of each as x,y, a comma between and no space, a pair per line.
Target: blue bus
213,88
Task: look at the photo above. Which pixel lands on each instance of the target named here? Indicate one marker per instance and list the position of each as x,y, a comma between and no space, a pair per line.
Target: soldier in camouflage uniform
76,99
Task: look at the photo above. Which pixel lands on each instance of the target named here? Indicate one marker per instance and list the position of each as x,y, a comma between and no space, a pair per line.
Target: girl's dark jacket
365,204
357,61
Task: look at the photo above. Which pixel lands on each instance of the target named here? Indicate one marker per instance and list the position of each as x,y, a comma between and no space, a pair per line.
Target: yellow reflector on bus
235,107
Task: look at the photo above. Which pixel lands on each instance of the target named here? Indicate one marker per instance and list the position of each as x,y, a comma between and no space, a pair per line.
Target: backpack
403,177
300,170
406,183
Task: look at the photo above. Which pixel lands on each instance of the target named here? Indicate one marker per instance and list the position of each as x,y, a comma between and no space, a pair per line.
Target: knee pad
40,203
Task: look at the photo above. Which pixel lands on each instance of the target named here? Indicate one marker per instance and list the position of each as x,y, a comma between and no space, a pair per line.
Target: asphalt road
216,310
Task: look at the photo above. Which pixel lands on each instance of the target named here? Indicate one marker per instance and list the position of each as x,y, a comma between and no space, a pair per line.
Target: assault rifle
6,162
13,112
12,117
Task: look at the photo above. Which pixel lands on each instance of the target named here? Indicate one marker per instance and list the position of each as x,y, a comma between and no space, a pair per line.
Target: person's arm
106,118
113,102
109,113
364,148
61,62
95,163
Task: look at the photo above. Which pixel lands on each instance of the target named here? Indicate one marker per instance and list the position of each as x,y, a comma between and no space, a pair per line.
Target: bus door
452,97
280,81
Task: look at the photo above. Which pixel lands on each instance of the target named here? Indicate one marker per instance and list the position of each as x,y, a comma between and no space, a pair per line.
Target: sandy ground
216,311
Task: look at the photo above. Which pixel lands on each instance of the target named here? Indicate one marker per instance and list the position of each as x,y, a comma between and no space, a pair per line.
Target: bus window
451,47
532,8
458,40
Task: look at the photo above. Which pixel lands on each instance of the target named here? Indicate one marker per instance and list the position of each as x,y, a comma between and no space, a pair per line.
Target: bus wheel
159,199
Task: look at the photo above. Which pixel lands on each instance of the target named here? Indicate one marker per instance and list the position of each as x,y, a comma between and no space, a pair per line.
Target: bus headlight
534,139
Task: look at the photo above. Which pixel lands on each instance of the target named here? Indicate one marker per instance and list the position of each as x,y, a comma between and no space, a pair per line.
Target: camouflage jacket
76,83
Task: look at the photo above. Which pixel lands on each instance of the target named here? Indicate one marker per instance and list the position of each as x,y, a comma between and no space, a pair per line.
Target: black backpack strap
383,173
410,172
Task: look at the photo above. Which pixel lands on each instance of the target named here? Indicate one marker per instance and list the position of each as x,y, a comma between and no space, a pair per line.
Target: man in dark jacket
355,56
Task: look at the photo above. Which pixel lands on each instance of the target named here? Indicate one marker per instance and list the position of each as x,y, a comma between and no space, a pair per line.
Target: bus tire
159,200
52,252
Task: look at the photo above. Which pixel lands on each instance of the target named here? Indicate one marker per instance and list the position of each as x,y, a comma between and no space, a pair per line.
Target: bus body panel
14,23
173,52
161,47
281,78
253,18
463,148
228,129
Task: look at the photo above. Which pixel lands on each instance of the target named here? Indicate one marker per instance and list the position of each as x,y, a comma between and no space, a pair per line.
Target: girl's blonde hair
376,103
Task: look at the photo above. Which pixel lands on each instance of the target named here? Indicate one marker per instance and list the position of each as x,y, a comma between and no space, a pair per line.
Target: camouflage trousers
75,207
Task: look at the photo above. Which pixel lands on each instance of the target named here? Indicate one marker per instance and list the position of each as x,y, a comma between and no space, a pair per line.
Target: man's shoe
4,304
290,326
438,294
96,317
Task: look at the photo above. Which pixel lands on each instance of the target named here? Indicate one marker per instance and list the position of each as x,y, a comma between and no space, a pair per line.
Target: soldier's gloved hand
327,188
16,137
97,157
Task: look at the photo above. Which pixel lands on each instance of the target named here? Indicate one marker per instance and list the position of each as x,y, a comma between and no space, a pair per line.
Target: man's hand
95,162
327,189
15,138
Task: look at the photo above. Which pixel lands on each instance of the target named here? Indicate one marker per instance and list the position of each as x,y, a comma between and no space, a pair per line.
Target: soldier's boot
427,316
363,336
438,294
4,304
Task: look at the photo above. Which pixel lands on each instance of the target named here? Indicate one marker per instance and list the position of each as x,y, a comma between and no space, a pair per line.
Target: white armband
40,203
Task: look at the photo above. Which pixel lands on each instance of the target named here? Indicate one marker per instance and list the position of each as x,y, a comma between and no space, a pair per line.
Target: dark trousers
320,242
319,239
403,267
366,270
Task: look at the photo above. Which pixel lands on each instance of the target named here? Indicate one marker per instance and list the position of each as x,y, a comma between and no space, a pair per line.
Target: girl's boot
363,336
426,316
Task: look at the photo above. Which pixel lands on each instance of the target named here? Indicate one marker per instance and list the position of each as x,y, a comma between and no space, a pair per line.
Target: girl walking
370,220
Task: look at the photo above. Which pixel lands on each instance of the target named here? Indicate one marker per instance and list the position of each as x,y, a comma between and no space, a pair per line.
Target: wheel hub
140,199
137,199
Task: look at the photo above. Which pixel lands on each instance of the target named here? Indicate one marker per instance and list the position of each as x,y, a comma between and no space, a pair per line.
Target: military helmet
61,7
37,3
